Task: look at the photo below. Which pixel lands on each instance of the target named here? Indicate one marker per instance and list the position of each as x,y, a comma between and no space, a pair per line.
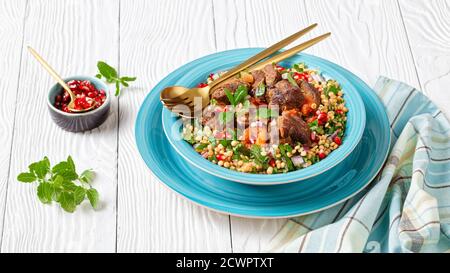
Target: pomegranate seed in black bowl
88,91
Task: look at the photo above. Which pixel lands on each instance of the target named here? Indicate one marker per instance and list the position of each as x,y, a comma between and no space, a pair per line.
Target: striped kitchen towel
407,207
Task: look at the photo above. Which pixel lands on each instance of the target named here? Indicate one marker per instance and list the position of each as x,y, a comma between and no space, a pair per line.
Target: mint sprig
61,183
111,76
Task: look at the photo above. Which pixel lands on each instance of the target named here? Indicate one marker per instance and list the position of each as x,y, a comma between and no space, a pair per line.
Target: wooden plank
157,37
12,14
368,39
72,36
428,25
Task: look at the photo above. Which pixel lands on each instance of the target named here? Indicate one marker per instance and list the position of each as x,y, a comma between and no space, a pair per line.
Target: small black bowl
78,122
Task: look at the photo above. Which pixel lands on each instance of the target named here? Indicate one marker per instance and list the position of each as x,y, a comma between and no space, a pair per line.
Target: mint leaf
111,76
45,192
67,201
26,177
79,195
40,168
106,70
240,94
71,163
66,170
58,181
92,195
87,176
61,183
229,96
61,166
69,185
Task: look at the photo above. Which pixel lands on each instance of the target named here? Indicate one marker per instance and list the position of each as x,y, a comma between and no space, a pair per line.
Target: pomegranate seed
220,157
201,85
85,96
339,112
322,155
66,97
272,162
301,76
337,140
322,118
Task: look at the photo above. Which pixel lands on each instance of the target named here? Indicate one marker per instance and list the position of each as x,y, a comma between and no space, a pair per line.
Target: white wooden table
407,40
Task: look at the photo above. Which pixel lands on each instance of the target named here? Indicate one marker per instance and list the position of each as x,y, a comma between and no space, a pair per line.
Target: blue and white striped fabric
407,208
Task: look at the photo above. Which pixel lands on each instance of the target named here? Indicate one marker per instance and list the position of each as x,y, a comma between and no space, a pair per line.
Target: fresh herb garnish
230,96
298,68
238,96
261,90
291,80
259,159
314,126
283,151
111,76
61,183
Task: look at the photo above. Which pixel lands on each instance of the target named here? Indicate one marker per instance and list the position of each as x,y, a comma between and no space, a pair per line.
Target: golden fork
178,95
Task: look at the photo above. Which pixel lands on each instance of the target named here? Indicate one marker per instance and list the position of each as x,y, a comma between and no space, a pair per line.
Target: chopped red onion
297,160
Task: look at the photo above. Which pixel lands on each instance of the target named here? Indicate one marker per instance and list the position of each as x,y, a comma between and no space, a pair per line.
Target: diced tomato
201,85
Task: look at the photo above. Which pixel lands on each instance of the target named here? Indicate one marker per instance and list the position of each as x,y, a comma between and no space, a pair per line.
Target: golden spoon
181,95
55,76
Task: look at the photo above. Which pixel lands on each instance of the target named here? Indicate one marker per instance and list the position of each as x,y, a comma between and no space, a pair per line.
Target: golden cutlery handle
261,55
288,53
50,70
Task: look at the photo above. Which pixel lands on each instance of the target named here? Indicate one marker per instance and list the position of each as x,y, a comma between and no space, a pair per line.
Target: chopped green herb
261,90
291,80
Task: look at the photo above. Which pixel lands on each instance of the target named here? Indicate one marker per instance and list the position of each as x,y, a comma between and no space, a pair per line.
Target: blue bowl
356,118
78,122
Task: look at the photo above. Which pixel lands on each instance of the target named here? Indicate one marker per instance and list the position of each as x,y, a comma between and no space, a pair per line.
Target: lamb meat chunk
293,128
311,96
219,94
271,74
285,95
259,77
210,114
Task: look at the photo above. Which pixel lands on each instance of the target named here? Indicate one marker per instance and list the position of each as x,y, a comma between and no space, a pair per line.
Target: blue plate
356,118
275,201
